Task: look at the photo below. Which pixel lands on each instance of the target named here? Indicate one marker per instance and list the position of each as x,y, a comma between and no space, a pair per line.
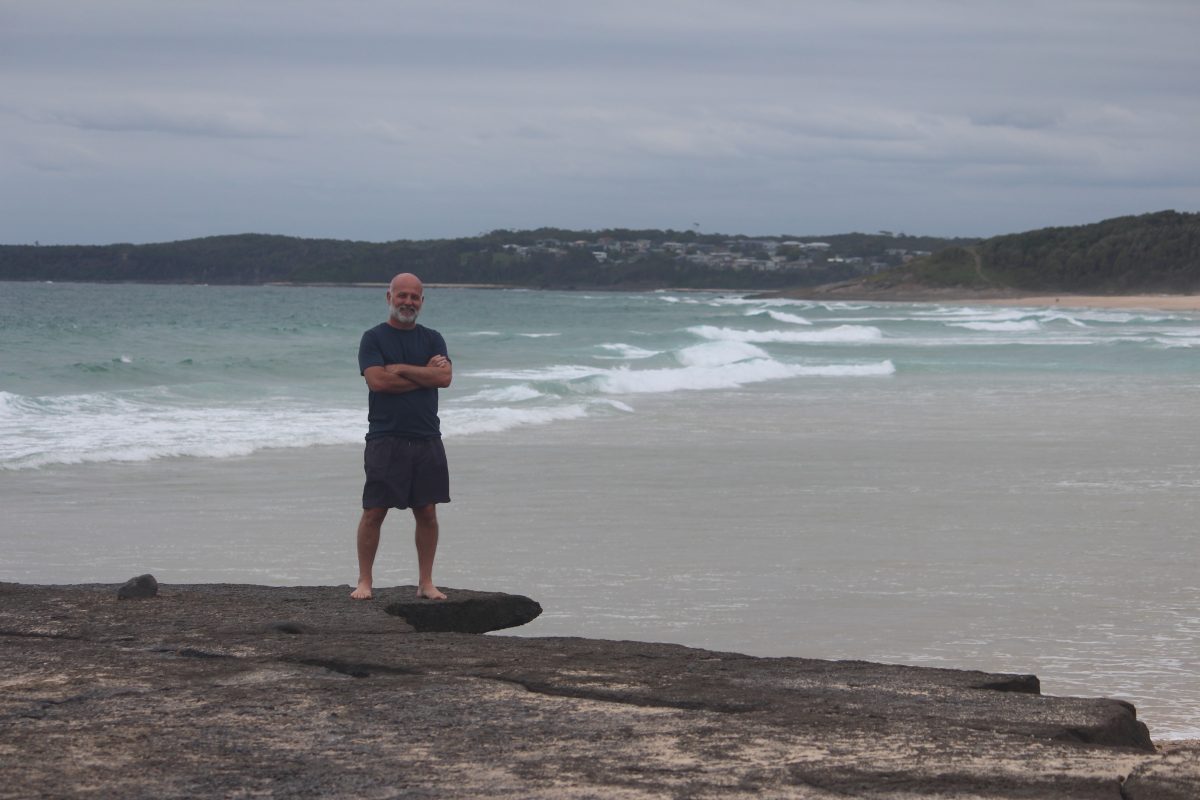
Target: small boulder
137,588
465,611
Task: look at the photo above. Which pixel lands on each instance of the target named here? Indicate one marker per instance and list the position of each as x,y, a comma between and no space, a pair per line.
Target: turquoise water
997,488
93,373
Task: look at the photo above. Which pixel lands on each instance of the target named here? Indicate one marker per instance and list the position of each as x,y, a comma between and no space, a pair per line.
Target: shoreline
1155,302
991,297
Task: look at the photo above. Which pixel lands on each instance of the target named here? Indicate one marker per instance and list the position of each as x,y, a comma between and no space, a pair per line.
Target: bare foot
363,592
430,592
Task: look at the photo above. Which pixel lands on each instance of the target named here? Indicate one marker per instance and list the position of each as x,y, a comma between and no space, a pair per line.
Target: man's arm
400,378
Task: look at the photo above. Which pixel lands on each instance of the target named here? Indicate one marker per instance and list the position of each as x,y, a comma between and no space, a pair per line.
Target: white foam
105,427
1118,317
627,351
1079,317
1068,318
1179,339
538,335
467,421
779,316
660,381
726,376
999,327
714,365
555,372
878,369
719,353
109,428
507,394
847,334
764,302
843,307
974,314
617,404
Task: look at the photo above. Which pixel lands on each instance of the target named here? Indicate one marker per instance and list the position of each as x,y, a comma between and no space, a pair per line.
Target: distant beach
991,297
1157,302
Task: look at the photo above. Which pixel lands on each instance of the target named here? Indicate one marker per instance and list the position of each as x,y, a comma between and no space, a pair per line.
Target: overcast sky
156,120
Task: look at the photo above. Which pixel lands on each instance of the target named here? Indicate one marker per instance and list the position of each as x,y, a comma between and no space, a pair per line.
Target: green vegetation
954,266
546,257
1157,252
1153,252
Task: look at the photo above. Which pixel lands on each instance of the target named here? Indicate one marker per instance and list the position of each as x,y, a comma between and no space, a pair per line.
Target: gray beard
401,317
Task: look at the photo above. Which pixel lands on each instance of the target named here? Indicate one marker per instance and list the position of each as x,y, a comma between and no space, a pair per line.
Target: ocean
983,487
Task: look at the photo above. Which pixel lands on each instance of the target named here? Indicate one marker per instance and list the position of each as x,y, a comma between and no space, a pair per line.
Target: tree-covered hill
1153,252
546,257
1157,252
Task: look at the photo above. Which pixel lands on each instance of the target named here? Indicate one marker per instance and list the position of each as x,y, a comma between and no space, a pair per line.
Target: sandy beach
1157,302
993,297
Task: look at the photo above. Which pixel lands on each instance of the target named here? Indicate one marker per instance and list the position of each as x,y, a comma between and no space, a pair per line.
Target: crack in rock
624,699
353,669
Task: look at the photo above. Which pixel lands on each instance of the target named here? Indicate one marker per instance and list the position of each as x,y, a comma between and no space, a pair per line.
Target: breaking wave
847,334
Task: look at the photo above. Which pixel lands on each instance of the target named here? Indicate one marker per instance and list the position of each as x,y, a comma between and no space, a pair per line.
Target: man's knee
374,516
426,515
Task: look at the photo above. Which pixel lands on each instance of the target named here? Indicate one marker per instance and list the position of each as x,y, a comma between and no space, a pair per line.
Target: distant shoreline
992,297
1155,302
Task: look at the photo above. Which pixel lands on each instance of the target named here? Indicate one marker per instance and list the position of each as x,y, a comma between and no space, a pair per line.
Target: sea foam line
845,334
109,429
703,368
627,351
105,428
779,316
1014,326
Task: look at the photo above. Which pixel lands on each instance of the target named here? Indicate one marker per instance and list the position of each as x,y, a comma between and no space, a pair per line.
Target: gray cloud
184,116
379,119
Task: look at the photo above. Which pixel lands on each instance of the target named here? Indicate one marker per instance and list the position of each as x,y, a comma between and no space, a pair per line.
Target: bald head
405,296
408,281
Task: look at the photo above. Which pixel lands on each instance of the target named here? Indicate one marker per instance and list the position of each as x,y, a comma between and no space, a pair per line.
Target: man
404,365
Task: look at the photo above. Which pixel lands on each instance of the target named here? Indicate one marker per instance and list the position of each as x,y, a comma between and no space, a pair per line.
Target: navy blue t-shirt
413,414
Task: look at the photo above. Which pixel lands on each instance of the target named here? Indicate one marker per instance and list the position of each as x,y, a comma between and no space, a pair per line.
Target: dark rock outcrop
138,588
465,611
234,690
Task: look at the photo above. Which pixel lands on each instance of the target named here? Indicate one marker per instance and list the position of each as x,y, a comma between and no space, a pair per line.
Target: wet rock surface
220,690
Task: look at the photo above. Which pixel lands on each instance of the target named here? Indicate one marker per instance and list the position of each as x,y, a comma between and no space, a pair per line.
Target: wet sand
991,297
1156,302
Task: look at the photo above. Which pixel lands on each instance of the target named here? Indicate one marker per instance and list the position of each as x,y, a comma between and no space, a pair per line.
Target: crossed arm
401,378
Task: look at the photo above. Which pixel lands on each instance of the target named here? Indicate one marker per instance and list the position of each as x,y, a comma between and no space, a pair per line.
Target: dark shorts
405,473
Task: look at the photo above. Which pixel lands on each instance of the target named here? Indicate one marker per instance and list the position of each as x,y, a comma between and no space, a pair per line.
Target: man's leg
368,544
427,540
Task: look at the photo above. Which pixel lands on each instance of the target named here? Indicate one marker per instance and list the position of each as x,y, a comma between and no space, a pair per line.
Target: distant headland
1149,253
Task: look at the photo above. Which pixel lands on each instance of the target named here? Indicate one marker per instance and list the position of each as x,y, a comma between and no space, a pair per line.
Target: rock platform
249,691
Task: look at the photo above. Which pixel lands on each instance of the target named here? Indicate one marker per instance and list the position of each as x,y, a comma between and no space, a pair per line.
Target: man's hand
438,373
